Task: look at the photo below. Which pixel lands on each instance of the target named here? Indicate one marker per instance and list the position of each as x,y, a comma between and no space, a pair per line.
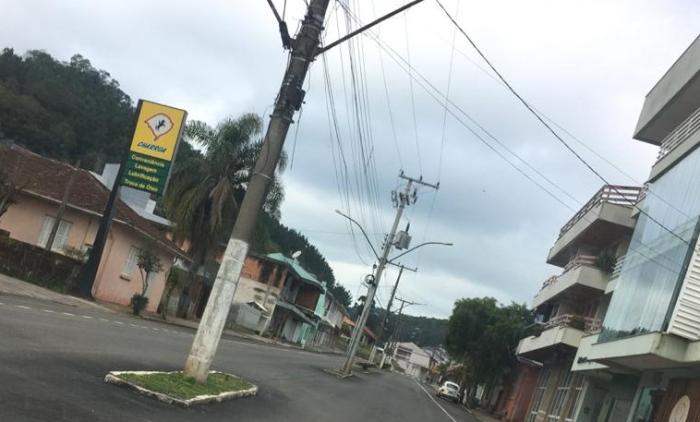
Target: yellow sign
157,130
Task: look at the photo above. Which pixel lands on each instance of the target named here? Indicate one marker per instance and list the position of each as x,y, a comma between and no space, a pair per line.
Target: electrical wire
401,62
413,101
550,129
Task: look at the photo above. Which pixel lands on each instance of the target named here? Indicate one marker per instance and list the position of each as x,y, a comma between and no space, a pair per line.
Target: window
653,266
576,391
538,394
59,242
560,397
131,261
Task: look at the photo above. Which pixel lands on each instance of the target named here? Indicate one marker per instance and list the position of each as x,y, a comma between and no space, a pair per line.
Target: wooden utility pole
385,321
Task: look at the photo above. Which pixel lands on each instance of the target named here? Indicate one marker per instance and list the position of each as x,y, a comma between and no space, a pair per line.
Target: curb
113,378
338,374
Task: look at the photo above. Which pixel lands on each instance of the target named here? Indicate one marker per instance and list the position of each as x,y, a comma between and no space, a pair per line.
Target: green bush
605,262
138,303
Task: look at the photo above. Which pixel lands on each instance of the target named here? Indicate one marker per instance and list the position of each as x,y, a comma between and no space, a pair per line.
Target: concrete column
206,341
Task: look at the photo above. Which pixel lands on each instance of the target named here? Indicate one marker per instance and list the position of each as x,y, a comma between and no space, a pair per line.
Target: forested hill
71,111
68,111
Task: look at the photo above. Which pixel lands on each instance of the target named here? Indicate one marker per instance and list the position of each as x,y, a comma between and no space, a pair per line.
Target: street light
416,247
376,255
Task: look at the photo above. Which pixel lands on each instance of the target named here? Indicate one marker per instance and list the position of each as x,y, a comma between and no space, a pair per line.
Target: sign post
157,132
153,147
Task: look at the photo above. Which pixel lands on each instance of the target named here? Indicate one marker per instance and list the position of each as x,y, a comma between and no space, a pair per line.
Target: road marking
86,316
23,306
430,396
133,325
67,313
104,320
49,311
119,322
1,303
156,329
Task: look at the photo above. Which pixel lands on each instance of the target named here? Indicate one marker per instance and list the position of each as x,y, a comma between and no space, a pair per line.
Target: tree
482,335
342,295
149,264
206,190
172,282
64,110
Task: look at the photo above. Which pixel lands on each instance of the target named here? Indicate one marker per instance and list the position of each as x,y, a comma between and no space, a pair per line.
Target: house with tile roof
42,183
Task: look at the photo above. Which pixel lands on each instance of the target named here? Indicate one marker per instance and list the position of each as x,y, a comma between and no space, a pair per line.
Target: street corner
175,388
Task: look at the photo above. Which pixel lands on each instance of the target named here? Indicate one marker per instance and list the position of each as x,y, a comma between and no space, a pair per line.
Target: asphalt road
53,359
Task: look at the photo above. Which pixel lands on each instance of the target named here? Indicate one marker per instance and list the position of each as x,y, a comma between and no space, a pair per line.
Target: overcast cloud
586,65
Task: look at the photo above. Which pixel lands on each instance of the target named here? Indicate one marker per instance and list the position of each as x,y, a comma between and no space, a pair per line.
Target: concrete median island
175,388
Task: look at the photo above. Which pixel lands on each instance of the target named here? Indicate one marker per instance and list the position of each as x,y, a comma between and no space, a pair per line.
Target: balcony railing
579,260
682,132
576,261
618,267
587,324
548,282
612,194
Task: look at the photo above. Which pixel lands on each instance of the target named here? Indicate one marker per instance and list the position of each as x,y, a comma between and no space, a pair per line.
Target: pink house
43,183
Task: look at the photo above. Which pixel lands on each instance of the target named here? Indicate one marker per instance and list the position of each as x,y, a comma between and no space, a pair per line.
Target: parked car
449,390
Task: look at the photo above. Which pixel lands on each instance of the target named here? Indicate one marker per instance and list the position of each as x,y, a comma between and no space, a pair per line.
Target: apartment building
571,305
652,326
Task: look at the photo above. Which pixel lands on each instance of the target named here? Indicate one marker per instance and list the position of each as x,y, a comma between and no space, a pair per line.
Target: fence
37,265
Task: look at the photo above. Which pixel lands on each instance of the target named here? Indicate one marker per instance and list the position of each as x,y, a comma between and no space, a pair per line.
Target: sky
585,65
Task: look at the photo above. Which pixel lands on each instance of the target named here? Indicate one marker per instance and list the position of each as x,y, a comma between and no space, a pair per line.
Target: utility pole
396,329
304,48
62,207
402,199
385,321
289,100
404,302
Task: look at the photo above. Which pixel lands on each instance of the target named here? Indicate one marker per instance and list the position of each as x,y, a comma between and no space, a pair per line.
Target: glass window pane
653,265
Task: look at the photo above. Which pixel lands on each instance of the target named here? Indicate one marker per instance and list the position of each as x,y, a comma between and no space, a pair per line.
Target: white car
449,390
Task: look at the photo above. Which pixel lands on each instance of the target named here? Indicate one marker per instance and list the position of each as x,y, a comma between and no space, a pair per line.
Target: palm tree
207,188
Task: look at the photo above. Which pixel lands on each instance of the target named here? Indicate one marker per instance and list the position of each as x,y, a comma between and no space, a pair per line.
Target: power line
548,127
413,101
393,54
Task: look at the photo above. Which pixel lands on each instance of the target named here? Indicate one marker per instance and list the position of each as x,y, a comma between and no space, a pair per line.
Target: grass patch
181,387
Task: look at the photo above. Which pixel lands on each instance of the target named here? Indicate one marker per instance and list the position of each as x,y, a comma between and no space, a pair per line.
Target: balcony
645,352
560,333
605,218
674,97
580,280
581,361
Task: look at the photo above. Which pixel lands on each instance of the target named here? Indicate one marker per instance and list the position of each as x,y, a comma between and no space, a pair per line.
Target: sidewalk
483,416
13,286
16,287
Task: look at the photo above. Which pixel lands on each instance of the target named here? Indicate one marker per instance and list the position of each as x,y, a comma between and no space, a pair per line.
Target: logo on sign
160,124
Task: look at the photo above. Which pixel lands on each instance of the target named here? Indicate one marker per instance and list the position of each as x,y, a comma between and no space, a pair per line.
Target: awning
296,311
